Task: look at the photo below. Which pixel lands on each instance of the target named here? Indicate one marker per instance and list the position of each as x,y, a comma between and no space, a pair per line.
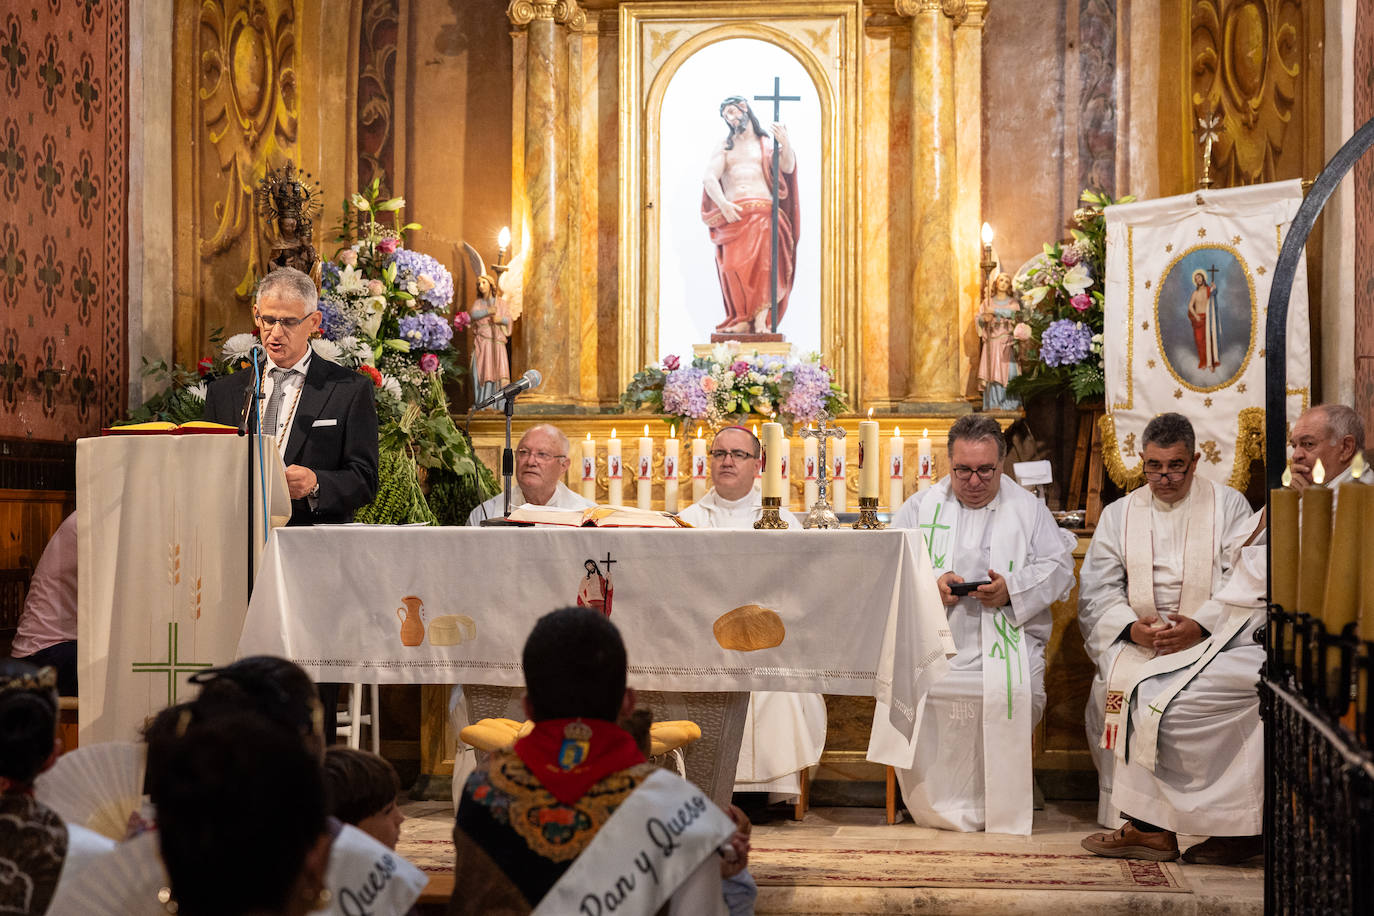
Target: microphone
253,391
531,379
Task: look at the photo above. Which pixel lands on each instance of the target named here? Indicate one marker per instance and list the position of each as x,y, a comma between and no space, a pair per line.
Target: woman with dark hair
37,850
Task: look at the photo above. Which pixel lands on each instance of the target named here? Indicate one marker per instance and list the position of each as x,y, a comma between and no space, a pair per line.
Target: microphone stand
507,467
251,404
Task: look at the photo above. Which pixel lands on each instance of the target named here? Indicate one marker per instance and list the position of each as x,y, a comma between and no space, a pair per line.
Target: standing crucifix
821,515
777,98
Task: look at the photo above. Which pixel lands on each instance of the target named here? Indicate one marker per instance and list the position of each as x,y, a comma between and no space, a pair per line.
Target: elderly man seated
784,733
970,762
559,818
1331,433
541,460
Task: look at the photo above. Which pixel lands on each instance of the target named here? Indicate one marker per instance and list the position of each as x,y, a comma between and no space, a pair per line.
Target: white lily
360,202
1077,279
350,282
1035,294
372,318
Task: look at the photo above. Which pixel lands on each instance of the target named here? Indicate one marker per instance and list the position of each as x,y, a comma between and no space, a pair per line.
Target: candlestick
839,494
698,467
1315,545
644,497
896,470
868,515
671,452
868,458
808,472
925,463
771,466
589,468
771,519
614,495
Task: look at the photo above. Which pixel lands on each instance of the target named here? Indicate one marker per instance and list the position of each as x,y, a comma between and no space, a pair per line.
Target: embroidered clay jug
412,627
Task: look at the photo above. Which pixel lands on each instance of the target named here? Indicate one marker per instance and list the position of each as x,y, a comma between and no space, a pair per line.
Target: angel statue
492,316
996,320
289,206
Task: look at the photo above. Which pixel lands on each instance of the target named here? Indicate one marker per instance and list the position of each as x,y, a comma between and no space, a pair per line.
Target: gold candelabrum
868,515
771,520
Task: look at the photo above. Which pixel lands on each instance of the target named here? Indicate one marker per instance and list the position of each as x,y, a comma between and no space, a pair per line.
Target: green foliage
400,500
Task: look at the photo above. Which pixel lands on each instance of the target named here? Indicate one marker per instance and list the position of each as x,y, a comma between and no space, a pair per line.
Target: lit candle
925,463
671,452
896,469
502,243
758,475
589,468
839,497
1316,543
868,457
645,477
615,496
809,484
1283,528
771,467
698,467
785,466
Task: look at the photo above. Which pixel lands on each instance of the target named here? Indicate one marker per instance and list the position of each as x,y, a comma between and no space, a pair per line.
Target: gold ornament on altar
288,203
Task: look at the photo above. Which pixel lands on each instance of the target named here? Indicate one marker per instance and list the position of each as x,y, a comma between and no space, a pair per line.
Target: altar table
859,611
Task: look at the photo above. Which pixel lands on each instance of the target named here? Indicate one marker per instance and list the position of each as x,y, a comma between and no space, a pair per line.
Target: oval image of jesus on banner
1205,317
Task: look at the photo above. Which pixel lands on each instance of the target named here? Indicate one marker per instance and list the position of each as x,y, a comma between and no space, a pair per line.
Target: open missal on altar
163,428
596,517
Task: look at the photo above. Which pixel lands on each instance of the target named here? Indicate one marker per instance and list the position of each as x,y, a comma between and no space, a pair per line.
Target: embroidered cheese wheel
749,628
452,630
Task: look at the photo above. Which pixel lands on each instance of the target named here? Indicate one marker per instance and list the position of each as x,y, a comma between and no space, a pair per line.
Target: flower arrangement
1061,342
728,385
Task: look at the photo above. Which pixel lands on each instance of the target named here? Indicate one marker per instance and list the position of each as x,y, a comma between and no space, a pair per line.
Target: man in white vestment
1331,433
1157,555
1191,756
541,460
971,756
784,733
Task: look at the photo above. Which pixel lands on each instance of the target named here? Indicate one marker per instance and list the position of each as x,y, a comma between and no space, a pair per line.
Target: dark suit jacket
343,454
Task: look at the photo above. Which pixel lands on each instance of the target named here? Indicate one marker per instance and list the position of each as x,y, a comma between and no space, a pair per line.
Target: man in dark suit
323,415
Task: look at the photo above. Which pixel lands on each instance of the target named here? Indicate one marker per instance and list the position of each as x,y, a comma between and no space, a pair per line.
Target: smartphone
964,588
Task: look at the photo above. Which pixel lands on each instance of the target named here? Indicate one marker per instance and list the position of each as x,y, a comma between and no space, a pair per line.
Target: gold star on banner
1147,284
1169,247
1260,270
1206,402
1202,233
1235,240
1144,326
1178,394
1150,363
1261,354
1241,388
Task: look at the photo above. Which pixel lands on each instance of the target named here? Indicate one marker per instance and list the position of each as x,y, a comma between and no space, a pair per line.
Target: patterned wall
1097,95
63,217
1364,225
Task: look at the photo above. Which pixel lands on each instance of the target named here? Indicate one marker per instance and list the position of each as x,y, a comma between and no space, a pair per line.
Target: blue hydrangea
409,266
329,275
426,331
1065,343
809,391
683,394
335,318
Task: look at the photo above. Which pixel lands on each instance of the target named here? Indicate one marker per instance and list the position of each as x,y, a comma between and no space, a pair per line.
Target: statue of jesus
736,205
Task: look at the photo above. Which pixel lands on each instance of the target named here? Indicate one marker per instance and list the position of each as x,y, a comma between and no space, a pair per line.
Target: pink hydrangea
429,363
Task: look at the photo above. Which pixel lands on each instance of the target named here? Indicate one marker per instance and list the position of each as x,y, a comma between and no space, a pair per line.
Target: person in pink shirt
47,627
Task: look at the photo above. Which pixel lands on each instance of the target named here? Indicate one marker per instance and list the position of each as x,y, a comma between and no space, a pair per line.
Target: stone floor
1215,891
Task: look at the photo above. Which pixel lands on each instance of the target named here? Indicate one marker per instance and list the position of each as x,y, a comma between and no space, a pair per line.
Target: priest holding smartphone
1000,561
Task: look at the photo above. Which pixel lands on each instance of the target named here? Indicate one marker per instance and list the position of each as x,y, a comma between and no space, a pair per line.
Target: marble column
548,333
935,288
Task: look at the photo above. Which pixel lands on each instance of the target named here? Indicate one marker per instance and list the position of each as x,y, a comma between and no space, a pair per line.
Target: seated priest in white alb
541,460
1190,750
1331,433
784,733
971,757
1157,556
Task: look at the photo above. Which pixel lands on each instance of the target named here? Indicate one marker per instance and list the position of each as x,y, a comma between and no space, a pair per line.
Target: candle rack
868,515
771,520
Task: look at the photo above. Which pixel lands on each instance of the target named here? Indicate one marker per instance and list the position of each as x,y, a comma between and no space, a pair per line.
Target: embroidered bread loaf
749,628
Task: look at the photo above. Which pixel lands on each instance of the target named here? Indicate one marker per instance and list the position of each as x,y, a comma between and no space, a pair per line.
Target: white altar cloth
860,611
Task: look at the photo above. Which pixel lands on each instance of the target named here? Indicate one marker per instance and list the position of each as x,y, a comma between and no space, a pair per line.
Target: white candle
615,496
698,467
896,469
839,497
925,463
671,452
771,464
809,486
645,475
868,458
785,463
589,468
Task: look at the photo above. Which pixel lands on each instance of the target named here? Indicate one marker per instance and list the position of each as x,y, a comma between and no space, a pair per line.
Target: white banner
699,610
162,567
1187,292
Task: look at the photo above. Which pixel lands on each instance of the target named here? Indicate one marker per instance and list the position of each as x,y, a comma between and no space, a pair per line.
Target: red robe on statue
744,248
